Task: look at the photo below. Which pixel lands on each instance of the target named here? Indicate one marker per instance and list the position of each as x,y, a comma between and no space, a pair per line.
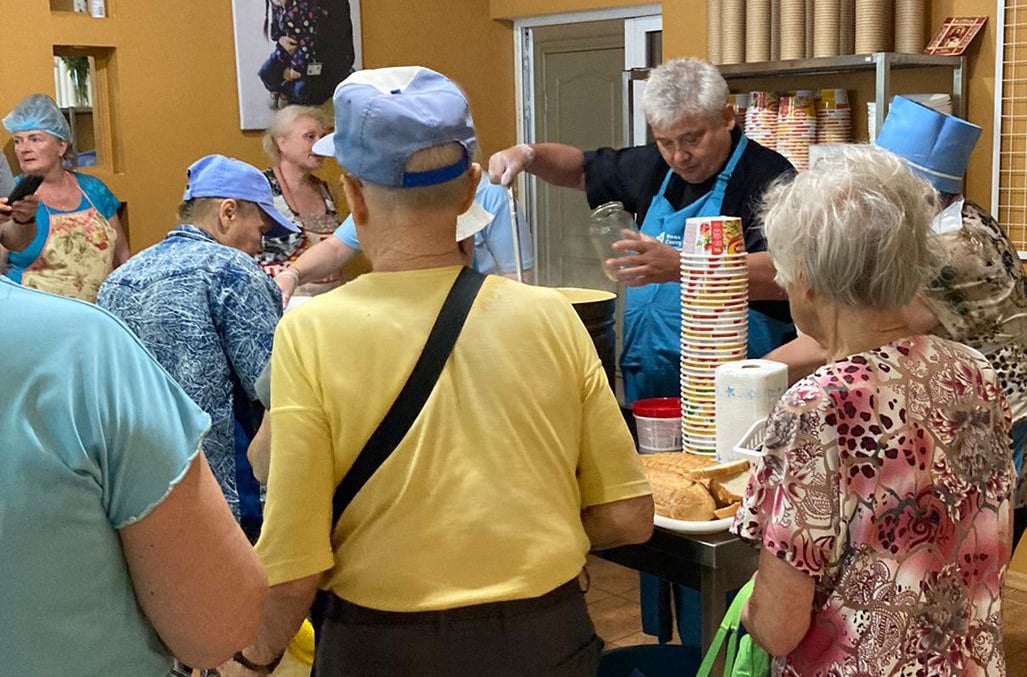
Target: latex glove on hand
652,262
505,165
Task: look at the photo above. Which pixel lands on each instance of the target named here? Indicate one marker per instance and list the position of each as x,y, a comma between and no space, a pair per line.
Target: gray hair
856,228
281,125
681,87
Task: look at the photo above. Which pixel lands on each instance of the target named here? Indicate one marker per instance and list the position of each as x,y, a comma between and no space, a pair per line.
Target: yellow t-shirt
481,500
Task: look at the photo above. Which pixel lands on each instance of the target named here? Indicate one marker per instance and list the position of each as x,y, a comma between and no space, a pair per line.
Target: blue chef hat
935,145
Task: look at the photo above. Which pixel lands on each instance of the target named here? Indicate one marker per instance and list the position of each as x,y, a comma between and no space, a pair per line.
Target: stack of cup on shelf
834,117
910,36
873,26
797,128
757,30
761,118
826,28
714,320
792,28
732,36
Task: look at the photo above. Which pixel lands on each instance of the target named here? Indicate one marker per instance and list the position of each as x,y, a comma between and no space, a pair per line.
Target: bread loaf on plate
693,488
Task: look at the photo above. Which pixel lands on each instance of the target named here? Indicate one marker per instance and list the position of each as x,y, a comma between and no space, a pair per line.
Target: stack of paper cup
834,117
826,24
909,26
775,30
714,320
732,24
713,32
796,128
761,118
757,31
873,26
793,29
810,10
847,27
746,392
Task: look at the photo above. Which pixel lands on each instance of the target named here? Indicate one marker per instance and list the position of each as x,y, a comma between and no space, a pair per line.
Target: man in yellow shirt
461,554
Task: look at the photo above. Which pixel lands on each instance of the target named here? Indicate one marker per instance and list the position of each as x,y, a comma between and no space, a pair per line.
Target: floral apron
77,256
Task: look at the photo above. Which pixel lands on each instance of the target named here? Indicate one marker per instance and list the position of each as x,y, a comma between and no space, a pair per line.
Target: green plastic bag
744,657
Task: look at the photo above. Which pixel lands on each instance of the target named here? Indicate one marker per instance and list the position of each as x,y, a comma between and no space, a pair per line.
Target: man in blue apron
699,165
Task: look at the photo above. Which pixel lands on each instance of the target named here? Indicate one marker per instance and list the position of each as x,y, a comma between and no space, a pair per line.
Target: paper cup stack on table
695,494
910,36
797,128
761,118
714,320
746,392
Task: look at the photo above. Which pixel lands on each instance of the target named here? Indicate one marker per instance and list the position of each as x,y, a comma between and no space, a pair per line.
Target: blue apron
651,358
651,365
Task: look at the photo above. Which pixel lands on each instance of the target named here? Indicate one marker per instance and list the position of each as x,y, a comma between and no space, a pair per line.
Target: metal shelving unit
882,63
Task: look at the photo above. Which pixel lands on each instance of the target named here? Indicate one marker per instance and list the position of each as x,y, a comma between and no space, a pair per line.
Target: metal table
713,564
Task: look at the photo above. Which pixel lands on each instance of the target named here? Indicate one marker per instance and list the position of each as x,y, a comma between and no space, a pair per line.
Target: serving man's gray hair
856,228
681,87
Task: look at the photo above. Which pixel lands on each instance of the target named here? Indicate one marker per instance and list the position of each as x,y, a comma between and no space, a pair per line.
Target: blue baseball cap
383,116
225,177
934,145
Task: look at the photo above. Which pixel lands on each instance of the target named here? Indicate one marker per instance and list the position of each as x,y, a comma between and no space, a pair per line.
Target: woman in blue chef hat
79,239
979,294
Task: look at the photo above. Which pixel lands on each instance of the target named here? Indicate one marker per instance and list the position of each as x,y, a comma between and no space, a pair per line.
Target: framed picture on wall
292,52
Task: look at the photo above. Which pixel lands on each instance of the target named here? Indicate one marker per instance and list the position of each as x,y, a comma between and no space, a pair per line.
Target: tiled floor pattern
613,604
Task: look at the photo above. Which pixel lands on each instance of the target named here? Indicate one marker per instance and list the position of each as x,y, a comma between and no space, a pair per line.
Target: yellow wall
175,81
176,92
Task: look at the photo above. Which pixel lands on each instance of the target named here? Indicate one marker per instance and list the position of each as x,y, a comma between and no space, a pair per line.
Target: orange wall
176,97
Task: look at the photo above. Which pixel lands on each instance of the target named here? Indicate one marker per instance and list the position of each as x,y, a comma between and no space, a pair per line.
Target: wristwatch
265,669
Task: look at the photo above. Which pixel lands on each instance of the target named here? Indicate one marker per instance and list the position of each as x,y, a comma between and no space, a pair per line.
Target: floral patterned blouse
279,252
887,478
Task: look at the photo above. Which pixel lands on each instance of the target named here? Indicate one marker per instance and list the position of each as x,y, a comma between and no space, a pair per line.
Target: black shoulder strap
415,392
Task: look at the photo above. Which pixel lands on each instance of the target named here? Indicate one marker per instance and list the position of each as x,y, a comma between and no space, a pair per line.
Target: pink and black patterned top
887,478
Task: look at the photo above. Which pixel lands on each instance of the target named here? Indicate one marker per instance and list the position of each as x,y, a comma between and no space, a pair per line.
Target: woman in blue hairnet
78,239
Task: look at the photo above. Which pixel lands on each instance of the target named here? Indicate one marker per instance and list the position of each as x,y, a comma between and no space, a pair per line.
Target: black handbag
407,406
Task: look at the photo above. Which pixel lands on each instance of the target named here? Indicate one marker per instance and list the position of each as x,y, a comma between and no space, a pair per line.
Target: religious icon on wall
292,52
955,35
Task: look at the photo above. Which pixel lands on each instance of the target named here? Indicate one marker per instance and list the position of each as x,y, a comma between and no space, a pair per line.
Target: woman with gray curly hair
882,505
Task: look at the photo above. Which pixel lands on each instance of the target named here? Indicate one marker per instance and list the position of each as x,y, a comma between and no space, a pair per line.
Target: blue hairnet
38,112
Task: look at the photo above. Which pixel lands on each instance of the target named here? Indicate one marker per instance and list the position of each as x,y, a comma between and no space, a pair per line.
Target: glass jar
609,223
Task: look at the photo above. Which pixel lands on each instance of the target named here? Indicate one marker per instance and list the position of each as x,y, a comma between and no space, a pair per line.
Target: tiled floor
613,604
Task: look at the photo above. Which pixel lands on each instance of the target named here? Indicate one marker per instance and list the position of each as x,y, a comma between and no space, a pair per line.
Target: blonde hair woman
299,194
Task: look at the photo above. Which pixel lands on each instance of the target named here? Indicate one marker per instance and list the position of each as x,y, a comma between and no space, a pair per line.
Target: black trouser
548,636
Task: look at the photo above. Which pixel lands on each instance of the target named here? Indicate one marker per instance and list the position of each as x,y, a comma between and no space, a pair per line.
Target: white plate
683,527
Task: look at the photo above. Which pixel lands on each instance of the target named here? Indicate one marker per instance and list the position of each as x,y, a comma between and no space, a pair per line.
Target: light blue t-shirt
94,193
493,244
95,435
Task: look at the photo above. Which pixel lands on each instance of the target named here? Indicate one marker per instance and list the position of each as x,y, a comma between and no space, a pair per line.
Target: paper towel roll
746,391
